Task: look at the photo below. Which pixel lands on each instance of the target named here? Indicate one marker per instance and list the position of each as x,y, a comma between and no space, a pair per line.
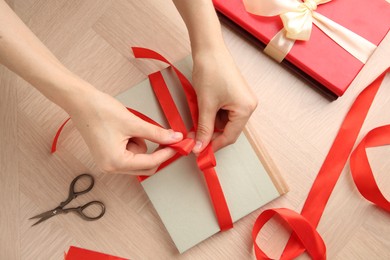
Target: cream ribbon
297,18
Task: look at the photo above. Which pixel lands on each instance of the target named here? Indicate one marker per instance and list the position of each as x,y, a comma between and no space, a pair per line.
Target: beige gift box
179,193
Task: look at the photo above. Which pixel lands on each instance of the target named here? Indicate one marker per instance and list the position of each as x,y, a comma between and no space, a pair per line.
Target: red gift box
320,57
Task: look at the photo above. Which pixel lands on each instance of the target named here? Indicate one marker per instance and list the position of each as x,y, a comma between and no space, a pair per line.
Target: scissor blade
44,214
42,219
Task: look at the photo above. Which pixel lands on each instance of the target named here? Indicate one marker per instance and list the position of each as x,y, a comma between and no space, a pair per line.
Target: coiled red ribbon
206,159
304,235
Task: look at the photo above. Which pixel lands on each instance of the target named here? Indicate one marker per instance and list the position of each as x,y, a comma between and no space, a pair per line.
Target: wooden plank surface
295,123
9,168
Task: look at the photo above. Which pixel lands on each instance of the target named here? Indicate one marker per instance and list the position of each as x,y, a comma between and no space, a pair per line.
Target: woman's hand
116,137
224,98
225,101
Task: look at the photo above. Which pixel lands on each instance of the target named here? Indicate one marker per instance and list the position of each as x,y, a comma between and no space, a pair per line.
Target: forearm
22,52
224,98
203,25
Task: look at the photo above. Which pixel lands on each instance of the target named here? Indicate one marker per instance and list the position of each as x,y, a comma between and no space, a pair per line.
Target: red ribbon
304,236
206,159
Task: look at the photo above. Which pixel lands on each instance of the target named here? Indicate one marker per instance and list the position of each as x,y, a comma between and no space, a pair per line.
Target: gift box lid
320,58
179,192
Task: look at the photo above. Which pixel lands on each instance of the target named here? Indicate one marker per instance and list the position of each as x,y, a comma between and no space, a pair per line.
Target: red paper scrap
77,253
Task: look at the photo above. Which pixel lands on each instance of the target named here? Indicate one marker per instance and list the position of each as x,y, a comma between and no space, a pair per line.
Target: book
178,192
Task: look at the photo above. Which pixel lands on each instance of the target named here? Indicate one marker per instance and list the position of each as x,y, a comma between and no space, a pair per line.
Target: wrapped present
329,41
179,192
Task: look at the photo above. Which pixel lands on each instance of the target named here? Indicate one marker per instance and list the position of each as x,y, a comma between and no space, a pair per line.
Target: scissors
72,195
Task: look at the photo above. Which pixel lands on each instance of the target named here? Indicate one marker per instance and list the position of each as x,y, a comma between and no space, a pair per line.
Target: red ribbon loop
184,147
305,232
361,170
186,84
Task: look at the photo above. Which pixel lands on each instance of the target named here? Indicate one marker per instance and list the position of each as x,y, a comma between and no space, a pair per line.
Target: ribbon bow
298,18
298,22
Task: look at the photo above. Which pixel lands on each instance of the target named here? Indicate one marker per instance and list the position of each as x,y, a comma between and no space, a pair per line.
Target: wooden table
296,124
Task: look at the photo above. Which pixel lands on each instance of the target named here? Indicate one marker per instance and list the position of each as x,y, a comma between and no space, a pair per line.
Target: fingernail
177,135
198,146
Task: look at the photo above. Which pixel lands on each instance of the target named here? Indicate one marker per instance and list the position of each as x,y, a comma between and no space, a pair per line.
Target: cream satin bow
297,18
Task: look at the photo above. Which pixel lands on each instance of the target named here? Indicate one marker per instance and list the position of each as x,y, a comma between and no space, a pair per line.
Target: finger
191,135
205,128
141,162
230,134
138,172
143,172
146,172
156,134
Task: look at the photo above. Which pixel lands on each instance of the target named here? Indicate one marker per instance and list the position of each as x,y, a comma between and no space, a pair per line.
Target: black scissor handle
81,209
72,189
73,193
